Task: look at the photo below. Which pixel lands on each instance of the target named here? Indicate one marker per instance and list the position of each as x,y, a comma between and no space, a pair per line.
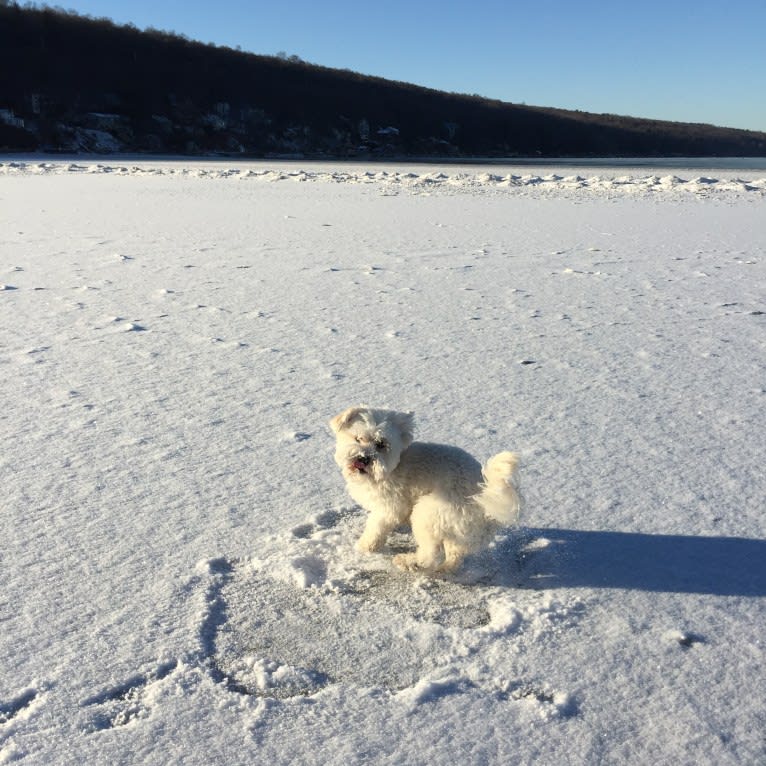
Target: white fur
453,505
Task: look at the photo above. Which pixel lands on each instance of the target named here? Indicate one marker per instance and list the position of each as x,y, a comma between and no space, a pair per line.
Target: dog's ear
405,421
339,422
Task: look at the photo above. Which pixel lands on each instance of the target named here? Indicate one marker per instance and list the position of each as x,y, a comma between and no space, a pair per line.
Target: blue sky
687,60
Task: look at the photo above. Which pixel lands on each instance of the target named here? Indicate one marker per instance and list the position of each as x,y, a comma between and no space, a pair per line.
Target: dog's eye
380,444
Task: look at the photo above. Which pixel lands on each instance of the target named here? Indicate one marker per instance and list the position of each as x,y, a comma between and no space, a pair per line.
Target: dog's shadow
573,558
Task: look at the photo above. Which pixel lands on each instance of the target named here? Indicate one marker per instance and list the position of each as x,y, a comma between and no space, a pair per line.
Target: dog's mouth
360,464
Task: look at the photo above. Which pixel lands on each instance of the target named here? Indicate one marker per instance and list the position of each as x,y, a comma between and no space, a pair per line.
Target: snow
179,578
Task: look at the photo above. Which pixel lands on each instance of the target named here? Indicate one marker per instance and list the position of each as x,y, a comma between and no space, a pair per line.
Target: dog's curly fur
453,505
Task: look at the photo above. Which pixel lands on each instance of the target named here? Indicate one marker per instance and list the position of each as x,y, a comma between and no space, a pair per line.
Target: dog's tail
500,497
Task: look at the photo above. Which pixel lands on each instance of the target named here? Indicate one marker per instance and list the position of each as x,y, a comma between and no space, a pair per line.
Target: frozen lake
179,578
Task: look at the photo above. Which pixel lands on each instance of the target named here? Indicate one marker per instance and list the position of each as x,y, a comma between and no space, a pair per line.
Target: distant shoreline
749,164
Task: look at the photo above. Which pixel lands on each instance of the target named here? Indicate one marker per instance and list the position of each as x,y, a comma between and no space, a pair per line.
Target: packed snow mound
393,181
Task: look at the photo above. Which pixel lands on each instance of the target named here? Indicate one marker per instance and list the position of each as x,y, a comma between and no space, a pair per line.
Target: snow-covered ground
179,583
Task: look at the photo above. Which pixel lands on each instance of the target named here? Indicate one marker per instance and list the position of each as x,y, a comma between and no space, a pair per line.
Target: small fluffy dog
453,505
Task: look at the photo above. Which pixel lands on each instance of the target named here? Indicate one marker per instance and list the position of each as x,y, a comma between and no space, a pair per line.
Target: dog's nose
364,459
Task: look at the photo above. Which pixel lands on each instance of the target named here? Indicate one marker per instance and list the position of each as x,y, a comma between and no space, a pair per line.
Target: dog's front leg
376,532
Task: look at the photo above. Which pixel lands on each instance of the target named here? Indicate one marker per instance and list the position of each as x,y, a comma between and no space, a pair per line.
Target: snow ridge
420,182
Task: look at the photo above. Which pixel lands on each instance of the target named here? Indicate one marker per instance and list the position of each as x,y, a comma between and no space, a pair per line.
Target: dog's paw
368,545
406,561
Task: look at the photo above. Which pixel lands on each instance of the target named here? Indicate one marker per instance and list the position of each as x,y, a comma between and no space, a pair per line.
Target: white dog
453,504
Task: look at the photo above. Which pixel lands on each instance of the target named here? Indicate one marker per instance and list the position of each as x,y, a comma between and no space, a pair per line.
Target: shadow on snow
720,566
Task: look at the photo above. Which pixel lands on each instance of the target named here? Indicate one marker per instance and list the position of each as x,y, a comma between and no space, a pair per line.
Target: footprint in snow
121,704
551,702
686,640
297,436
11,708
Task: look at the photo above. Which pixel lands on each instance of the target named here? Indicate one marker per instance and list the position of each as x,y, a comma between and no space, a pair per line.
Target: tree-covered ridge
69,82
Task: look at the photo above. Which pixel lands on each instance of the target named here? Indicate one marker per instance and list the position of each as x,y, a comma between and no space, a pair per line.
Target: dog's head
370,441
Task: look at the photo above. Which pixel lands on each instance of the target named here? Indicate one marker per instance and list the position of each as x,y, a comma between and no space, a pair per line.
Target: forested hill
70,83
